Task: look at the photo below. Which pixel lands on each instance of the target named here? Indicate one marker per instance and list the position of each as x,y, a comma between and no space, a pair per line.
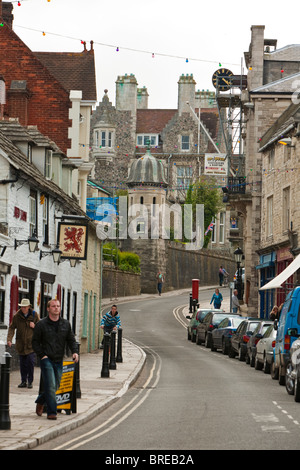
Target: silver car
264,350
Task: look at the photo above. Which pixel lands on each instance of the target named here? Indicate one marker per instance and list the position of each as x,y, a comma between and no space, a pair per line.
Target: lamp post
238,254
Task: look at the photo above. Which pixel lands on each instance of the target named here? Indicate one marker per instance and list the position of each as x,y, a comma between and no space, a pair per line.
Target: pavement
27,430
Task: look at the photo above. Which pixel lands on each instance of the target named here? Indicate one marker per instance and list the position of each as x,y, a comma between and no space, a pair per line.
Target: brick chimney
18,97
6,13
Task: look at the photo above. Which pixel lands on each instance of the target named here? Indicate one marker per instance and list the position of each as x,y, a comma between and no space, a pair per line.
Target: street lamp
238,254
32,242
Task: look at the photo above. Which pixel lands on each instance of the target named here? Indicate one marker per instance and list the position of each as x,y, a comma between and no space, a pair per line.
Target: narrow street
187,397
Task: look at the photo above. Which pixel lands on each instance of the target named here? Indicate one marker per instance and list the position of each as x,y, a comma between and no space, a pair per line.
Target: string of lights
131,49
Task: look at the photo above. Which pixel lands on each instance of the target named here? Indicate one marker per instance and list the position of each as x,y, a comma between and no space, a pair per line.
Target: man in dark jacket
49,342
23,323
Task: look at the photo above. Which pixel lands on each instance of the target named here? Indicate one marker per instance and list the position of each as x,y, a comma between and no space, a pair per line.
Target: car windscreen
218,317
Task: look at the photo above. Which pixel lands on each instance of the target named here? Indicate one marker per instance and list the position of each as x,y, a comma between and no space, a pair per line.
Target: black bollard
191,303
77,374
119,357
4,393
112,362
105,361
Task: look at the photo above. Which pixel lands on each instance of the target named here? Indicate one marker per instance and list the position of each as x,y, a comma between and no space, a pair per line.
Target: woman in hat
24,322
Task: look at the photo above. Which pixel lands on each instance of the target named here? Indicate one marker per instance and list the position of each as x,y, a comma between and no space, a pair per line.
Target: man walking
24,322
50,338
235,302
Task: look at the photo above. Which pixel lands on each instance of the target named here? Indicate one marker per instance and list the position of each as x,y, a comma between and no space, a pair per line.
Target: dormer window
29,153
142,140
48,164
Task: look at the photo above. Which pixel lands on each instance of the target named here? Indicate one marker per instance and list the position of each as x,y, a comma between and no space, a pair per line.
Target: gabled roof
285,123
153,121
74,70
20,163
285,85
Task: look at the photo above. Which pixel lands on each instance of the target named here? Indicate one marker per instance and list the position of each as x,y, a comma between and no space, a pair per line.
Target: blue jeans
234,310
51,375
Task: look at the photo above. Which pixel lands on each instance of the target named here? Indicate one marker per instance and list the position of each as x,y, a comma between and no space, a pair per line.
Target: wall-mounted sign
216,164
72,239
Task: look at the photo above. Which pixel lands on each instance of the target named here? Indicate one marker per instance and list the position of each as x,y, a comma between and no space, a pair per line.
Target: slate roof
285,85
18,160
74,70
286,122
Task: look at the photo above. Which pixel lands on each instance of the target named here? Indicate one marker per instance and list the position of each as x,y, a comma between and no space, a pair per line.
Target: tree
205,191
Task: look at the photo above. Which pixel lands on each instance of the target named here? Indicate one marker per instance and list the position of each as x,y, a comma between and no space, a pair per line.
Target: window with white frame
45,217
185,142
222,227
103,138
286,209
270,216
271,159
142,140
32,212
184,176
48,164
213,232
2,297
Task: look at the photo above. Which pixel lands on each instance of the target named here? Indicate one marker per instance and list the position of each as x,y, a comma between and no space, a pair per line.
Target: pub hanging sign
72,240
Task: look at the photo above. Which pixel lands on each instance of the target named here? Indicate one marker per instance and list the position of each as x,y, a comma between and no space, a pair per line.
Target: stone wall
183,266
119,283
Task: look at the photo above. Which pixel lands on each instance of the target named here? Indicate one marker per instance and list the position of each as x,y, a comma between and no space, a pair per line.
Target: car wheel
224,347
207,341
247,358
197,339
289,380
252,361
212,347
188,335
274,371
297,390
267,368
231,352
257,365
241,356
281,376
193,338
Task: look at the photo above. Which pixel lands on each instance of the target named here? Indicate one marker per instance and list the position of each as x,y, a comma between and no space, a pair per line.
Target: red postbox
195,289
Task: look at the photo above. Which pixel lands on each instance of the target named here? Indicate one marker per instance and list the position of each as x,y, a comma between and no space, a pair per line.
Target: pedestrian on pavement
23,323
160,280
110,321
51,336
235,302
217,299
221,275
274,313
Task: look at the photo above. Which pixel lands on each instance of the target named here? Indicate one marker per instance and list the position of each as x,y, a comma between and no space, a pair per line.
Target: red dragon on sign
73,239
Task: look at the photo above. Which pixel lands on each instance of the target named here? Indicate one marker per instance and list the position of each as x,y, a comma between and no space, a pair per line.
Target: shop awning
283,276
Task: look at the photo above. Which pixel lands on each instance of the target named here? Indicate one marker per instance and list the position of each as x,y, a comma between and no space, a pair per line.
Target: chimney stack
6,13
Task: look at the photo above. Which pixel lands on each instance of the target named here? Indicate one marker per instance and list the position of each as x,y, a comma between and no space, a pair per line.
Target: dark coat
24,332
51,337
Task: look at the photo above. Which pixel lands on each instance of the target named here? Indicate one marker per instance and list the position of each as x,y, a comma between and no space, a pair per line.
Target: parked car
254,339
242,274
197,317
292,374
265,350
239,339
220,337
205,328
288,330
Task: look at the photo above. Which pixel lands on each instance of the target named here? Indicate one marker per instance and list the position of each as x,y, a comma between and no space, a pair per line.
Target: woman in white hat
24,322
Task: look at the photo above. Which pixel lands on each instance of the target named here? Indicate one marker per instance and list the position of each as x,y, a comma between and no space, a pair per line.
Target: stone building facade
271,80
